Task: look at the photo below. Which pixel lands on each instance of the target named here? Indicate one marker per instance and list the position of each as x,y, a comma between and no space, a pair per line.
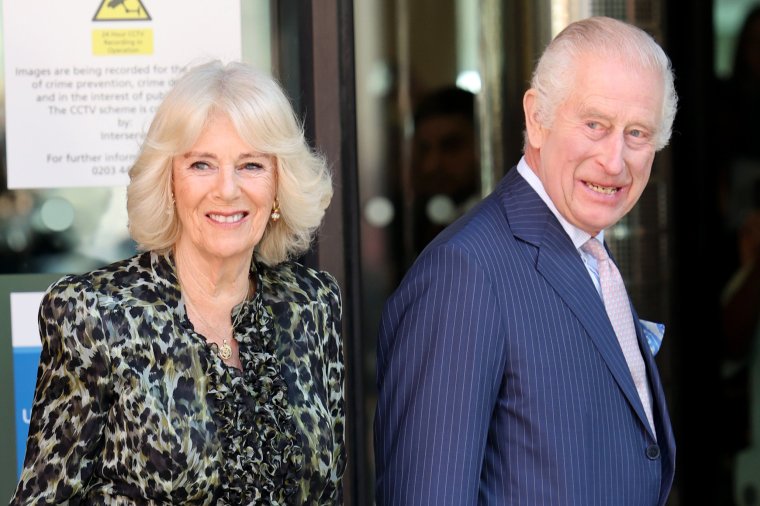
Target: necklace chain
224,350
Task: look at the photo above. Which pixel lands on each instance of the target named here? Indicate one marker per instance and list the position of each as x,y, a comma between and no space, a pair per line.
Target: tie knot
595,249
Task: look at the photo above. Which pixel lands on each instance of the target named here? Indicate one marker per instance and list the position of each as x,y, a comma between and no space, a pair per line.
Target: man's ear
533,128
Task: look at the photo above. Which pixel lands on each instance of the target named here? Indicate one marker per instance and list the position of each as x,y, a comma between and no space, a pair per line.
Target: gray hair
553,76
264,118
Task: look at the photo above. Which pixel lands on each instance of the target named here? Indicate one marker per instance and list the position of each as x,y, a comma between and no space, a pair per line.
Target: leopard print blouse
132,406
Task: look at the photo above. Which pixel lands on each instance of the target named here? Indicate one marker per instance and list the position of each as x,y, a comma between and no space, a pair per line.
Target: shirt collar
578,236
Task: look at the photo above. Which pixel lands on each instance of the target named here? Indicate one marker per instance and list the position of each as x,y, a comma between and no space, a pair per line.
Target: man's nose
613,154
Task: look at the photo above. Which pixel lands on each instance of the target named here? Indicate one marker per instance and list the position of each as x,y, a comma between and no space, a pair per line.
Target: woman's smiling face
224,191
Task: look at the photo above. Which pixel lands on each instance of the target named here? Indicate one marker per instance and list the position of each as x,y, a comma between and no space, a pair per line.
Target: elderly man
512,368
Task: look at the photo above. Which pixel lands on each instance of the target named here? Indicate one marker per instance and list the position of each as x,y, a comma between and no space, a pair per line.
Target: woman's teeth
226,219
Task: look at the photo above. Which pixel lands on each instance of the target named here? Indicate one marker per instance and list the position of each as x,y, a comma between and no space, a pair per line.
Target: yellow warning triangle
121,10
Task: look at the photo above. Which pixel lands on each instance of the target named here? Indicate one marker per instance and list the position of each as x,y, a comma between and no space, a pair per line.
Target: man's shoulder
485,224
488,237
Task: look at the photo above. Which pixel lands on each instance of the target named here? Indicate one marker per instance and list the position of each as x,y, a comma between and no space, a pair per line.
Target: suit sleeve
440,364
70,399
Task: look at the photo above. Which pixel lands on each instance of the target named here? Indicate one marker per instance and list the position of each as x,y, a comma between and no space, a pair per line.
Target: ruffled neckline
262,460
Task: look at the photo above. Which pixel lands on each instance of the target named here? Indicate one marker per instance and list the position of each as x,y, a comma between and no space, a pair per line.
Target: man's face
445,159
595,159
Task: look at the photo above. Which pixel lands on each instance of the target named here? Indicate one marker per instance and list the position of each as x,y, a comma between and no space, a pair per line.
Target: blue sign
25,362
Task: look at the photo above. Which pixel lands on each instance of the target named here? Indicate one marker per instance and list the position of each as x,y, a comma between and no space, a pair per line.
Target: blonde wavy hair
264,118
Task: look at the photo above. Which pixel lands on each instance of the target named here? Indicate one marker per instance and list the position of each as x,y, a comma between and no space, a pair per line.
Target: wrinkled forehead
614,78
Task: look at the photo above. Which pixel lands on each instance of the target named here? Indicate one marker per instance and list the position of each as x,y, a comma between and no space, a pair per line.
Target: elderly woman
208,369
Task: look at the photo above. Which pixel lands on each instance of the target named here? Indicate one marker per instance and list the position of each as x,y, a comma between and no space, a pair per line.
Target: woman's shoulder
294,281
111,278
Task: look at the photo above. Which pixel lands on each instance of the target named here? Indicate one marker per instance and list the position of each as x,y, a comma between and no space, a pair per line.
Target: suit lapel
665,437
560,264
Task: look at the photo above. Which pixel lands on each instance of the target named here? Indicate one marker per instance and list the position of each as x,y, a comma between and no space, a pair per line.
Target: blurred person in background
445,162
738,158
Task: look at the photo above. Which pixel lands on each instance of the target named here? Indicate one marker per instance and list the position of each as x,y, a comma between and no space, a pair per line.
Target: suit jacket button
653,452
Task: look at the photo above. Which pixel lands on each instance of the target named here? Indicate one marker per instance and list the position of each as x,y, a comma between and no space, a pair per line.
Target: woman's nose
227,184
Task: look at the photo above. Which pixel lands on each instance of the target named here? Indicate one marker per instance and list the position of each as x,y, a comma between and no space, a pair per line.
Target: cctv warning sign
121,10
79,100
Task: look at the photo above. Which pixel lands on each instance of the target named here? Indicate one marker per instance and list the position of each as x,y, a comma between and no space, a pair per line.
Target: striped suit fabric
501,381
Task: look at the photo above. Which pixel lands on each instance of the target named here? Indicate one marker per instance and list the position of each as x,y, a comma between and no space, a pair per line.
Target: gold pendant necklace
225,351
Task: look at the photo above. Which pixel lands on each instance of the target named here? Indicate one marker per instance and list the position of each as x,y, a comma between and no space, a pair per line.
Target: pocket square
653,332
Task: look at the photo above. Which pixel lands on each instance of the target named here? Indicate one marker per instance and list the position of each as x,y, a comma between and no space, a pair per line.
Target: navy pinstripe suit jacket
501,380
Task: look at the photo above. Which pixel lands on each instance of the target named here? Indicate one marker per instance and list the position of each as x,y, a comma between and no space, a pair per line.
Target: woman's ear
533,128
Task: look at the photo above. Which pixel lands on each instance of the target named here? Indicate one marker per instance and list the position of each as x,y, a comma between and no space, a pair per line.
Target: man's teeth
608,190
226,219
